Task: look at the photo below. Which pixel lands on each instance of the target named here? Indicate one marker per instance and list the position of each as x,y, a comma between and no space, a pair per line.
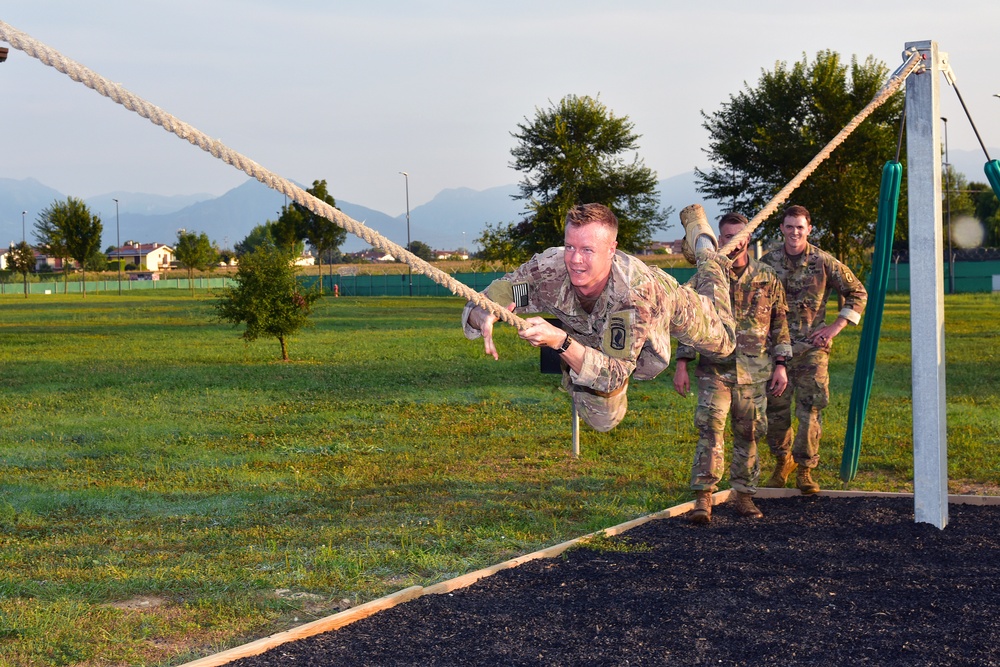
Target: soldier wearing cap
809,275
737,385
618,313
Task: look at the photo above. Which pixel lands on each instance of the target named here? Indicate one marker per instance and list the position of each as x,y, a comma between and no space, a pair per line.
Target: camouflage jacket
759,309
628,329
808,281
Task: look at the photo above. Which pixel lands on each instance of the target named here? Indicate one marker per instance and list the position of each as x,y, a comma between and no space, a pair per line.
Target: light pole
409,269
118,247
23,244
947,208
23,213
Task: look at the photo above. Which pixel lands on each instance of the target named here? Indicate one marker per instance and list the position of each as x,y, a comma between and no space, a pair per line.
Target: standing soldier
738,383
809,275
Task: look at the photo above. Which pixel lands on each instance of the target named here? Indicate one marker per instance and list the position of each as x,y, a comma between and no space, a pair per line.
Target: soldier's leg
710,420
812,394
601,411
749,422
779,419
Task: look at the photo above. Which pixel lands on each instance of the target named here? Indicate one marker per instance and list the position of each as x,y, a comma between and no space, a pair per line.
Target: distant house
448,254
374,255
151,256
43,262
667,247
305,259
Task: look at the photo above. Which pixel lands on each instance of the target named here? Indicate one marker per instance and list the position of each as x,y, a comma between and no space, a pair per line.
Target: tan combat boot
702,512
783,467
699,238
804,480
744,506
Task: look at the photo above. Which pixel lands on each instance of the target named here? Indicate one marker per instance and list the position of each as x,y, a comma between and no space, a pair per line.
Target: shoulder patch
617,340
505,292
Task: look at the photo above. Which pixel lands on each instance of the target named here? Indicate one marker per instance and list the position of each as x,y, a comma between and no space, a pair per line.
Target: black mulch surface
818,581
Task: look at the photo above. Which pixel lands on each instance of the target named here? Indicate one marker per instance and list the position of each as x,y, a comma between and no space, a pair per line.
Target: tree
75,229
421,250
324,235
577,152
21,259
764,135
267,298
987,211
264,234
48,235
195,251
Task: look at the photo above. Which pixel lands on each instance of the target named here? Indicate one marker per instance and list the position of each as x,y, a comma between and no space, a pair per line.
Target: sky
357,91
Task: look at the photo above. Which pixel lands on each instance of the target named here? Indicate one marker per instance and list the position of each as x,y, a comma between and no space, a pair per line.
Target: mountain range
454,218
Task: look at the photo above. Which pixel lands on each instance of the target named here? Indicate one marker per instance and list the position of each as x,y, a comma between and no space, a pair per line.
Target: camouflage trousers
747,404
809,384
599,410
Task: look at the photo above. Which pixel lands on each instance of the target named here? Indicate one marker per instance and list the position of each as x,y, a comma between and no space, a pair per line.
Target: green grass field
167,491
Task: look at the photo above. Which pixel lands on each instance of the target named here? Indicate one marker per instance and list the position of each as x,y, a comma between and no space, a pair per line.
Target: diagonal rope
157,116
895,81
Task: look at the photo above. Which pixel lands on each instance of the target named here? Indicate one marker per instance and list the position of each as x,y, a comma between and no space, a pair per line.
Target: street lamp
23,213
406,177
118,247
947,206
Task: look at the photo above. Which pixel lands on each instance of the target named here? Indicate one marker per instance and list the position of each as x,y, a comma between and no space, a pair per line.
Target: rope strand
157,116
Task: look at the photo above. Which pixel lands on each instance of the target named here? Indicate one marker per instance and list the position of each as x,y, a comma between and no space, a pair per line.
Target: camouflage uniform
808,280
629,328
737,383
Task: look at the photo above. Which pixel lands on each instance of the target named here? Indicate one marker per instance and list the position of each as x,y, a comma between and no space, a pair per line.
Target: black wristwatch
565,345
780,362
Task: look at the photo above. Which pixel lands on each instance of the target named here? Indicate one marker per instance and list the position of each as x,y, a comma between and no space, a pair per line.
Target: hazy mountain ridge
455,217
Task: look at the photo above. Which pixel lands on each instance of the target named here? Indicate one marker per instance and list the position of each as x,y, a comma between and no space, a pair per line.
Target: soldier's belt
603,394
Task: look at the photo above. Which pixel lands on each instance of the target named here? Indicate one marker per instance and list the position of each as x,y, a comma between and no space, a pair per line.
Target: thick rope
157,116
895,81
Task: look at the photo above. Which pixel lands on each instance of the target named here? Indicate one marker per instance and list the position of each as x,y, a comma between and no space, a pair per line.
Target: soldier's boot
744,506
699,239
702,512
804,480
783,467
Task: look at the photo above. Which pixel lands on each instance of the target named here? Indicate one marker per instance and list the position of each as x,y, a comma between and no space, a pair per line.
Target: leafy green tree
195,251
48,235
74,229
987,211
577,152
764,135
269,233
421,250
266,299
324,235
21,259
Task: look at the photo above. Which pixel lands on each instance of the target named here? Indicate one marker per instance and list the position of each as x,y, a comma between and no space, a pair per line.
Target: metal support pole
923,146
576,431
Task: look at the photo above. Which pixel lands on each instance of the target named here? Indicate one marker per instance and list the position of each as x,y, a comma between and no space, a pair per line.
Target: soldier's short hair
585,214
733,218
795,211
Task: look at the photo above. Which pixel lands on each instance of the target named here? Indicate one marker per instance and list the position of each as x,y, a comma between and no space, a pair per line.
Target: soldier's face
796,230
589,251
726,234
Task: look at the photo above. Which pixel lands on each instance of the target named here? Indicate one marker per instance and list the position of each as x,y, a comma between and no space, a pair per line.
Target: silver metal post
576,431
923,146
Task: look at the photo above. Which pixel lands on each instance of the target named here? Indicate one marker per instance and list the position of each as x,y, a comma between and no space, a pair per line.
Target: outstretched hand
486,327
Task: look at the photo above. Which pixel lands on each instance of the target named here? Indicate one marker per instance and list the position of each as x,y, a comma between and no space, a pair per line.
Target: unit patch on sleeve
617,341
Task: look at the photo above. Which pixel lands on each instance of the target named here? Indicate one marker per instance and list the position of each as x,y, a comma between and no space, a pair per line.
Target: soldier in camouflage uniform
738,383
808,275
618,313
